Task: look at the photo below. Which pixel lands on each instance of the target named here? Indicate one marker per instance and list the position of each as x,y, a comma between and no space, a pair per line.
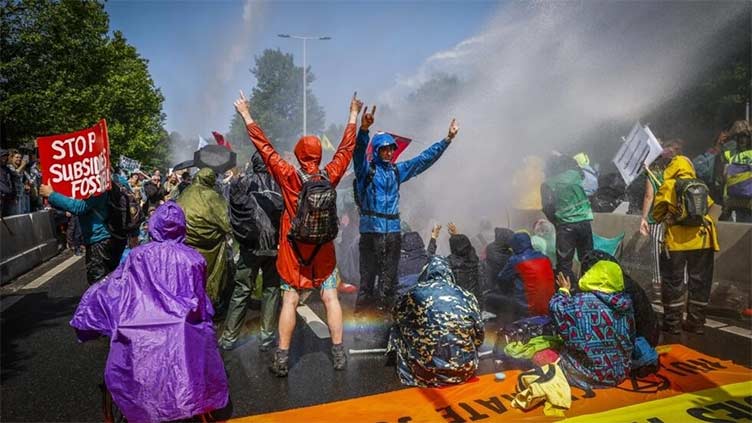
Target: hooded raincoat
597,326
665,205
308,153
163,362
530,274
208,225
497,255
437,330
413,258
464,263
379,194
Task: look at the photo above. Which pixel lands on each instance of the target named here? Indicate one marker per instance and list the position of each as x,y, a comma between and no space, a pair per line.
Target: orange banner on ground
683,371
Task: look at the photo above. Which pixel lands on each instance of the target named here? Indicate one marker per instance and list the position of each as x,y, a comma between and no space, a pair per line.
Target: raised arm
360,160
277,166
336,168
431,250
428,157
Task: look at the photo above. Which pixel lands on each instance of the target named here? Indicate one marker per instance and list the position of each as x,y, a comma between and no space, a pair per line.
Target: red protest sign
77,165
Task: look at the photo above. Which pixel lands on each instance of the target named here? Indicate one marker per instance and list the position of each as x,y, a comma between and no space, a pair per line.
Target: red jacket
308,153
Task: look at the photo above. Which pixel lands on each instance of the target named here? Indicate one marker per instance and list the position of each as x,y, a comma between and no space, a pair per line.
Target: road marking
738,331
36,283
319,328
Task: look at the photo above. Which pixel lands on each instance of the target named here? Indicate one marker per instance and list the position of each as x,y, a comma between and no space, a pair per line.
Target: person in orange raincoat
319,273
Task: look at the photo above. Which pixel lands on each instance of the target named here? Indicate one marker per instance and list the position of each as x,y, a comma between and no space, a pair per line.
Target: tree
62,71
277,100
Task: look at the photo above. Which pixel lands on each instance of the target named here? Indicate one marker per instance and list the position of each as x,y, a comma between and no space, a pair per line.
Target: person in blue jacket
92,215
377,186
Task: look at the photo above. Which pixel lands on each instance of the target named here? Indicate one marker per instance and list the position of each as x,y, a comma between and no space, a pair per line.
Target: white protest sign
640,148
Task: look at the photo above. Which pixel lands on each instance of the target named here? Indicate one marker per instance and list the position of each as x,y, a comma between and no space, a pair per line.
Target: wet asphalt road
48,376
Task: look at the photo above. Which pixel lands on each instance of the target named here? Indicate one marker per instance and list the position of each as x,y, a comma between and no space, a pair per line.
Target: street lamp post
305,69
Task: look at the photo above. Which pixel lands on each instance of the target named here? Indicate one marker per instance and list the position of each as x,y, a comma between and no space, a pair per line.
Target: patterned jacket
437,330
597,326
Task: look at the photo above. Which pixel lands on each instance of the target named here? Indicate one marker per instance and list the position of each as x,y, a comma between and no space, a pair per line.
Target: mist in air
543,77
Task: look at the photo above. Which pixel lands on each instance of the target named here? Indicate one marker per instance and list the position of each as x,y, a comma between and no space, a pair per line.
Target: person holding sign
92,215
76,175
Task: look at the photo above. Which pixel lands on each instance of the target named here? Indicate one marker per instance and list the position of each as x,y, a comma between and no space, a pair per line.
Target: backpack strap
304,262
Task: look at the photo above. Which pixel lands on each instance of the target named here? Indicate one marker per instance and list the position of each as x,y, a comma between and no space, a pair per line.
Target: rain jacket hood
308,153
411,241
205,177
459,245
155,309
381,139
521,242
258,163
167,223
603,276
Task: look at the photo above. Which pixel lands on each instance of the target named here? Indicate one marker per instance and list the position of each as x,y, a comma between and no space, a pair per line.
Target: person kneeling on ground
155,310
597,325
437,330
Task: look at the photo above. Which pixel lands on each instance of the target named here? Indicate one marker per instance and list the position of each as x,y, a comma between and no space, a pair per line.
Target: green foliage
277,100
62,71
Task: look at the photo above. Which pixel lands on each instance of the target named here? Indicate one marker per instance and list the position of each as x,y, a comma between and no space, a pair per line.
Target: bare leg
333,315
287,318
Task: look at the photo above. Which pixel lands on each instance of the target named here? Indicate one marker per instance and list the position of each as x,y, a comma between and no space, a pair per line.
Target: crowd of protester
190,249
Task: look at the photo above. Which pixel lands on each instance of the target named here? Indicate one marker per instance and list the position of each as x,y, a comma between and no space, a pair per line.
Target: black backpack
251,208
125,212
369,180
692,196
315,220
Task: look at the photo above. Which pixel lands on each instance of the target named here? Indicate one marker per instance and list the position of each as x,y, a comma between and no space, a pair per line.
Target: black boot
339,356
279,363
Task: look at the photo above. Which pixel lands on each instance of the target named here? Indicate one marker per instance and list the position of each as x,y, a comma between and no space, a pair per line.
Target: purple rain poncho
163,362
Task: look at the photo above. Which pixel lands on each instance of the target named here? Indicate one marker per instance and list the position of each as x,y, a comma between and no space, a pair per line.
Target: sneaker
279,363
339,356
693,328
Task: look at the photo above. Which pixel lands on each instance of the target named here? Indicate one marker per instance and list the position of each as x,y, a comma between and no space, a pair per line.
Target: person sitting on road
413,259
462,259
529,276
597,325
163,363
437,330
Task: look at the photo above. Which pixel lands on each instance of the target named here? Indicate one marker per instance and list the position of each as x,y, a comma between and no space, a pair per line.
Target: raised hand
453,129
436,231
368,118
563,281
452,228
355,106
243,108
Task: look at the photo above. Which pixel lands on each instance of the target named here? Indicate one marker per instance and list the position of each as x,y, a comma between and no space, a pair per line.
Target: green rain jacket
564,200
208,225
